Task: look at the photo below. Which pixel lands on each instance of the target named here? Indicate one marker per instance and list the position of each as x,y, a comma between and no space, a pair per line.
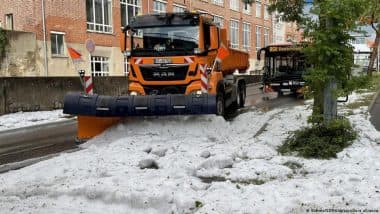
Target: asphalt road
35,141
257,100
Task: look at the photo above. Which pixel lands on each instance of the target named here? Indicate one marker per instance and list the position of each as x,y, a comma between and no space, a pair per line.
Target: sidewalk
375,112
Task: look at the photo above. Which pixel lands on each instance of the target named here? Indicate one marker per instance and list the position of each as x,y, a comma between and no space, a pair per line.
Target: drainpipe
44,33
378,58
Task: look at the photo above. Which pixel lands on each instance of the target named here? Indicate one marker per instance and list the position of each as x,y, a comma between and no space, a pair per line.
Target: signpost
90,45
89,83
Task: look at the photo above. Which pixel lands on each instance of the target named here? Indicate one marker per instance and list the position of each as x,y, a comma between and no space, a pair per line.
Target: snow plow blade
150,105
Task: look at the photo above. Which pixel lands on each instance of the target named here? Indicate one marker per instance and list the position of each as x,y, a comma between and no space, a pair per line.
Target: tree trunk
373,55
317,115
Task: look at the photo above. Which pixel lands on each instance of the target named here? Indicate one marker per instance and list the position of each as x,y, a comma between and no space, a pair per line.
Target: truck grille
164,73
165,89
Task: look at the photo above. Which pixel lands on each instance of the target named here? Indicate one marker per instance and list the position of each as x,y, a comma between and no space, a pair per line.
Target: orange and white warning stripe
204,79
188,59
268,89
88,85
138,61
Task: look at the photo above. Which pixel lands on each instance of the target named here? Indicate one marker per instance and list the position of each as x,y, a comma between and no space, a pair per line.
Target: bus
284,67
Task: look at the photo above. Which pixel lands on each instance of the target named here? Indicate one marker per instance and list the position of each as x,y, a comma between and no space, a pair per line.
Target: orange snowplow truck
179,63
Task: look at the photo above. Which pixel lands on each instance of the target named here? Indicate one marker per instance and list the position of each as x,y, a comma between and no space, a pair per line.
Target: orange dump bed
235,60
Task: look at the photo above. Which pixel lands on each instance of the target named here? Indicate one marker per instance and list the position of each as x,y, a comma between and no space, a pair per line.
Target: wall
46,93
25,58
22,57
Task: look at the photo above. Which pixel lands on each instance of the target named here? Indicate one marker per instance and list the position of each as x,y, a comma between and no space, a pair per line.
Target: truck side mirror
214,38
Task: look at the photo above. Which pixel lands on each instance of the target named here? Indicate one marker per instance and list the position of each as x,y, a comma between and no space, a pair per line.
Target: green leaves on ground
320,141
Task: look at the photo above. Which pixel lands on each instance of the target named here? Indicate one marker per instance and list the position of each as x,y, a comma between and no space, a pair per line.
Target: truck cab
175,53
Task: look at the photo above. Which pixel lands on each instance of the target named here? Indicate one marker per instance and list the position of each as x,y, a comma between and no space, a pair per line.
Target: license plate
162,61
295,82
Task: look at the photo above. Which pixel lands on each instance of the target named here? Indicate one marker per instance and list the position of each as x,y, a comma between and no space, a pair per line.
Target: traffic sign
90,45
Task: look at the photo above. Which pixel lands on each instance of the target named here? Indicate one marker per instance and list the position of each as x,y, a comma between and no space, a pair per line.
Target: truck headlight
197,51
134,93
197,92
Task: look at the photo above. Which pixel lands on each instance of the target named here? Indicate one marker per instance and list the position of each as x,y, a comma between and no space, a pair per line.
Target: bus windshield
284,61
166,40
287,64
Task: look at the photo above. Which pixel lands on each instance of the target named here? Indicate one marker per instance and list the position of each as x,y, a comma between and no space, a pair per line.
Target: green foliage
320,141
291,10
371,14
329,51
369,83
375,82
364,84
198,204
359,82
363,101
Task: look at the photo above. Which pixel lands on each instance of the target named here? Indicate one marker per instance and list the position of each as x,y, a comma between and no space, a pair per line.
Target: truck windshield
165,41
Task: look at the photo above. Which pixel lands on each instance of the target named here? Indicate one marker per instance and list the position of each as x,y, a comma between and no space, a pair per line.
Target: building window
178,8
128,9
100,66
159,6
99,15
258,38
234,34
218,2
246,36
9,21
266,37
258,9
266,13
57,43
218,20
234,5
247,8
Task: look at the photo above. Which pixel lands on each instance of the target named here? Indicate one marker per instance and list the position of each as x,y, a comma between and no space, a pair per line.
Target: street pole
329,102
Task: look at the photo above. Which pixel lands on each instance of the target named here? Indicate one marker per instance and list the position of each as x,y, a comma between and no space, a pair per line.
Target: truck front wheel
220,105
241,96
